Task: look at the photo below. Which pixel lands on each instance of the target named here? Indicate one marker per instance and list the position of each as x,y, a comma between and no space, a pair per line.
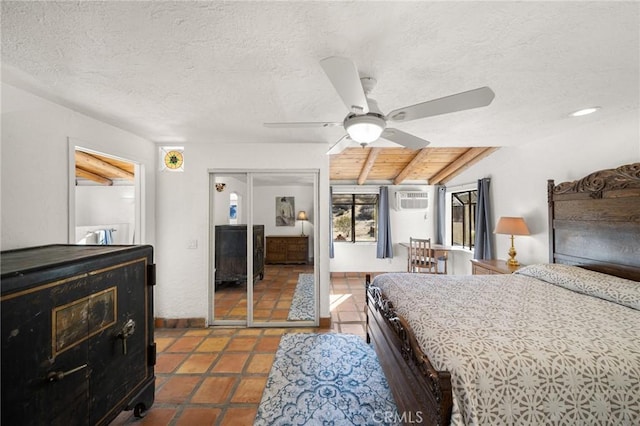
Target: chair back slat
421,256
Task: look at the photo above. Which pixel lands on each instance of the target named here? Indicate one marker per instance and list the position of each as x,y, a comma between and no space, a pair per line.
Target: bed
556,343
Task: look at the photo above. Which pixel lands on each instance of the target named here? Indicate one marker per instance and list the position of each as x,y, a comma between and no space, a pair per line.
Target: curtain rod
356,189
462,186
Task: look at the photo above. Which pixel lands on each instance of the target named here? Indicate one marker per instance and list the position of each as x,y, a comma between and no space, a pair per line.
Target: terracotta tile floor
216,376
272,295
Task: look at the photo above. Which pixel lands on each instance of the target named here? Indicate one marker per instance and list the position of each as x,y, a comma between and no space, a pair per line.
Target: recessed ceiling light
585,111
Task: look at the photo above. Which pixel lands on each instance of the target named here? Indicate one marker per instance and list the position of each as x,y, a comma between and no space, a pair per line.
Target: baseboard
180,323
325,322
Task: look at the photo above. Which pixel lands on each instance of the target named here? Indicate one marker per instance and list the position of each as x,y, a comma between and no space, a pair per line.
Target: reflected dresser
287,249
231,253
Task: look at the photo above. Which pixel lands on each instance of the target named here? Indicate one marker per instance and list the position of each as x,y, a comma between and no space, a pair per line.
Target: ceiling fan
365,123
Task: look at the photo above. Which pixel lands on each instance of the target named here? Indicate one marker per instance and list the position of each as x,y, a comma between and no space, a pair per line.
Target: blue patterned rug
325,379
303,304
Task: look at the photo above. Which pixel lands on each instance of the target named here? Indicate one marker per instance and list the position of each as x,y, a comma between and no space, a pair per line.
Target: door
265,205
228,277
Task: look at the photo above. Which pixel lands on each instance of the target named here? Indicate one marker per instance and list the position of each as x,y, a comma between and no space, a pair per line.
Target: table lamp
512,226
302,215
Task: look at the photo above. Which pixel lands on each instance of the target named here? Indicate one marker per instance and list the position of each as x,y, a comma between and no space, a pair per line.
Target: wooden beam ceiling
401,165
472,156
371,161
85,174
102,170
409,168
431,166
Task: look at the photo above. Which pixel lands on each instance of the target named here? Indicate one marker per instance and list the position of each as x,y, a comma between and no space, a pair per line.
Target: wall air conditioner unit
412,200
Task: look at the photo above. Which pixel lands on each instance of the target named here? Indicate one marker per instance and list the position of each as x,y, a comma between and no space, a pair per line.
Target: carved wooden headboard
594,222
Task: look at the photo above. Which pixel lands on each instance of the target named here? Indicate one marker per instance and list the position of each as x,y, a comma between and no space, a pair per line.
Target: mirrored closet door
285,204
269,217
229,195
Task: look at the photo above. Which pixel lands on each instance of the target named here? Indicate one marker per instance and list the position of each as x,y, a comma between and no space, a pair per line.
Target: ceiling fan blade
340,146
302,124
404,139
458,102
343,74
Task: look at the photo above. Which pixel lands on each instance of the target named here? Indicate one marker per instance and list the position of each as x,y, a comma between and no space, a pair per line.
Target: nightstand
492,267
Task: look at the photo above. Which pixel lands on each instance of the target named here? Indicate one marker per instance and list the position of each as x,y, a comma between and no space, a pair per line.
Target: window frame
473,214
352,207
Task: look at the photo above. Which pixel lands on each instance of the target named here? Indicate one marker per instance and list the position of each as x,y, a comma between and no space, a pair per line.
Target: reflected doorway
104,199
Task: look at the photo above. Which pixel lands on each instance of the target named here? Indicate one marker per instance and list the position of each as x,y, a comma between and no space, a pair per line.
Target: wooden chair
421,258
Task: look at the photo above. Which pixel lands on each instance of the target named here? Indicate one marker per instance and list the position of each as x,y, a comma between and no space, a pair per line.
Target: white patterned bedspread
523,351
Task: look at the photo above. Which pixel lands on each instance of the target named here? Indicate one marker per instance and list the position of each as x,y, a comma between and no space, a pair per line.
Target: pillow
614,289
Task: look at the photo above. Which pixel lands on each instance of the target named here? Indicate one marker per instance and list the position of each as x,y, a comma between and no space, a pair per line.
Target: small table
492,267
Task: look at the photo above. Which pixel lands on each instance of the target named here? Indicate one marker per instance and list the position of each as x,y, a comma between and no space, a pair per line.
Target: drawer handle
56,376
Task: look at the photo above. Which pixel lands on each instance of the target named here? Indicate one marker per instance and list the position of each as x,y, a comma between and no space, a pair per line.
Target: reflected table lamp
512,226
302,216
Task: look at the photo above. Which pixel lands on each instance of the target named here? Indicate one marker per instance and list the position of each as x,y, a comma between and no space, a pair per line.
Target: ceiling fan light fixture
364,129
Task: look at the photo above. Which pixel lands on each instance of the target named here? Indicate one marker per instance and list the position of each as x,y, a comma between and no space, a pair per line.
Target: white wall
183,216
35,163
96,205
519,175
361,257
265,198
99,206
233,183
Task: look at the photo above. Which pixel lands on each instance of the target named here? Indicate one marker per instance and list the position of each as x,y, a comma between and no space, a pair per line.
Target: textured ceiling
212,72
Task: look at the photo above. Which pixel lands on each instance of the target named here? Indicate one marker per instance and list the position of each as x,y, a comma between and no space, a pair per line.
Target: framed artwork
285,208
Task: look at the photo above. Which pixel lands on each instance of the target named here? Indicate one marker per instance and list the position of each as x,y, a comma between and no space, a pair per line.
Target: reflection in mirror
288,292
230,256
284,289
105,212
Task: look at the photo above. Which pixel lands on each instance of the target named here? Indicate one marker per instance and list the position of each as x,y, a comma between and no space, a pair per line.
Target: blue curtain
331,222
483,246
385,247
441,211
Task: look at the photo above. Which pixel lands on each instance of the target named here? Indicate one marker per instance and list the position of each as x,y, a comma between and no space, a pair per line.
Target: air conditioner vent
412,200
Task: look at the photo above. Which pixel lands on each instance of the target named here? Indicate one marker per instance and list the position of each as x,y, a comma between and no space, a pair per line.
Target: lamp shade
364,128
302,215
511,226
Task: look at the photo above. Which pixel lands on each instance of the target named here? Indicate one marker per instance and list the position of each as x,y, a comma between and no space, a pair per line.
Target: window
233,208
355,217
463,218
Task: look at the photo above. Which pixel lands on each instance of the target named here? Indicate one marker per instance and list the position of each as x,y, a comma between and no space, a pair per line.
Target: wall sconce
302,216
512,226
220,186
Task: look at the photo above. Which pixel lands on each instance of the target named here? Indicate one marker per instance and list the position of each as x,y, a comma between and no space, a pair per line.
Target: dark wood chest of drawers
287,249
77,327
231,253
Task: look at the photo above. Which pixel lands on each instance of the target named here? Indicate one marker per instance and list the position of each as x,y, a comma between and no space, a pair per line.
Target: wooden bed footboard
422,394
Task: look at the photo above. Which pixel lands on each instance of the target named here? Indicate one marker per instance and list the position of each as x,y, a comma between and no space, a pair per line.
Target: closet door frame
248,207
